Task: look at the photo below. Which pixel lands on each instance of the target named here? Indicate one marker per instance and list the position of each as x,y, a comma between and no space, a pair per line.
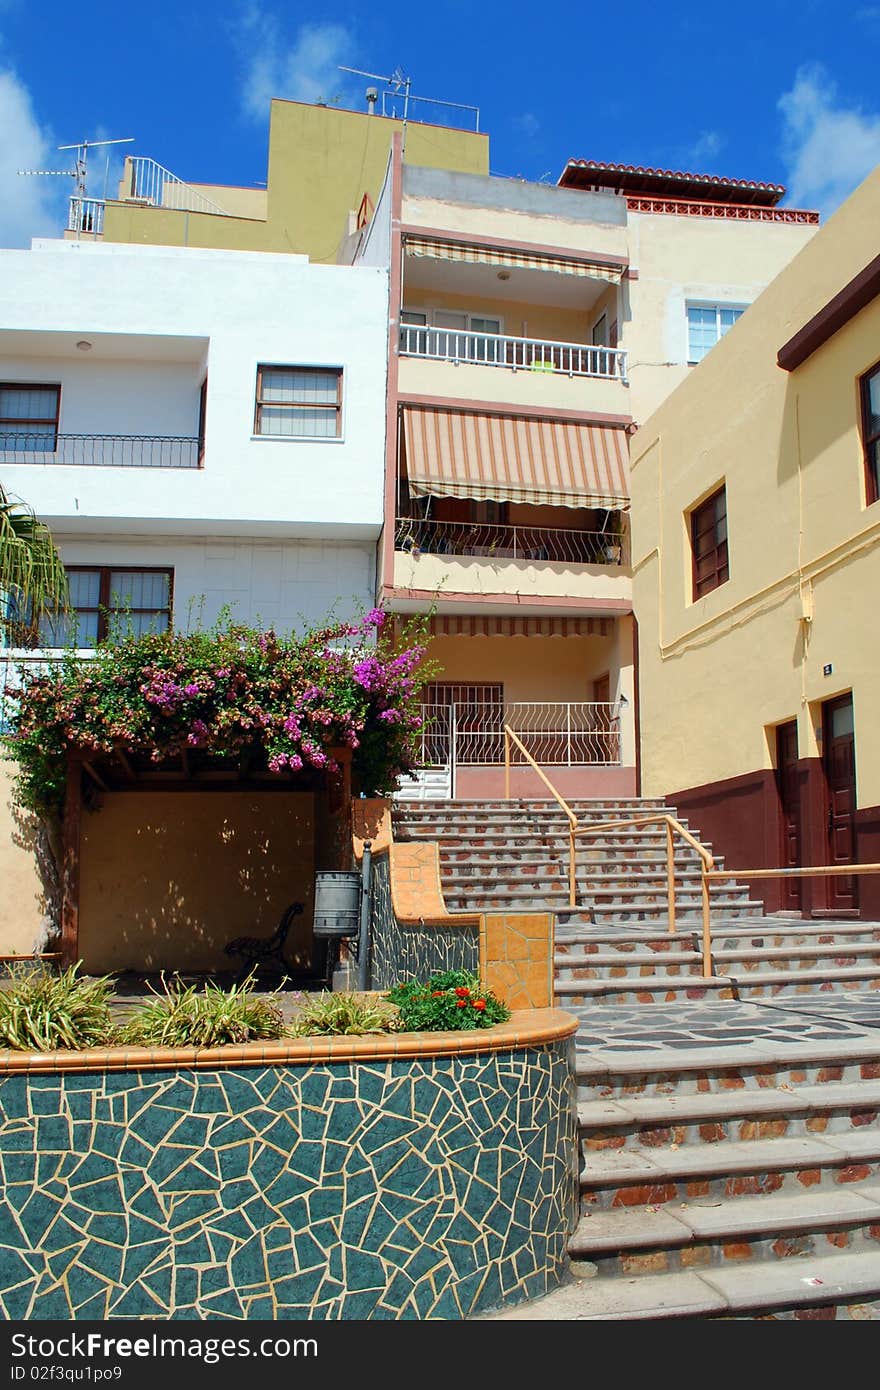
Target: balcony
515,354
516,371
101,450
548,562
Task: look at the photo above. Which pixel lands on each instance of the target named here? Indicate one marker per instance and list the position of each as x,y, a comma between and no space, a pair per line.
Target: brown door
839,762
788,786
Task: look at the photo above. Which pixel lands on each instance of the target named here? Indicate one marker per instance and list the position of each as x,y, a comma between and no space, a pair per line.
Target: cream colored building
531,329
756,574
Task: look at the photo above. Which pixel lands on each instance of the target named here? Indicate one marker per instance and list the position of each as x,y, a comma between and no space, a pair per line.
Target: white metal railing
517,354
86,215
146,181
101,450
573,733
417,535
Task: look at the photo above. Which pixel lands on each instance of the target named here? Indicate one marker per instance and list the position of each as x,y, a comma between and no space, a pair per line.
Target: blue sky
781,90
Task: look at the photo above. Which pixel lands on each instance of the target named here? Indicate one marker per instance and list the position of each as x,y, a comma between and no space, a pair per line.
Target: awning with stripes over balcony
512,458
438,250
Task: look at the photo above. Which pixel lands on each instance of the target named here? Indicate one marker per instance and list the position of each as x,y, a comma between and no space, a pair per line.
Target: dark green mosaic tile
193,1207
53,1134
140,1257
19,1139
248,1265
135,1302
51,1306
158,1282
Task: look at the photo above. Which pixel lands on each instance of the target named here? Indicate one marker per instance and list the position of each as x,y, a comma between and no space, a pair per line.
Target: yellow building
325,167
756,571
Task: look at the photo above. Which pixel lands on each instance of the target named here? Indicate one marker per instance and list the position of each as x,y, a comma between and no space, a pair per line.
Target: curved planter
425,1175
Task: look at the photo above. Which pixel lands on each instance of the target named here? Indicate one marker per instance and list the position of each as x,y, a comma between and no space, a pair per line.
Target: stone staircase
728,1128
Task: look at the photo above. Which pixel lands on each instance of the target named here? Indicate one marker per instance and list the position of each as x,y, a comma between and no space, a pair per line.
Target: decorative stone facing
406,952
430,1187
516,956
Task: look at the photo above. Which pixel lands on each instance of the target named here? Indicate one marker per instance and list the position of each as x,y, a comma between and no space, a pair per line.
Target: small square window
871,433
29,417
709,543
299,402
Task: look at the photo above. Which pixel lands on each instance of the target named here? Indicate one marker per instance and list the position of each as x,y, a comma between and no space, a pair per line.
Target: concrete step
620,965
661,1123
784,984
647,989
638,1241
612,1178
750,969
835,1286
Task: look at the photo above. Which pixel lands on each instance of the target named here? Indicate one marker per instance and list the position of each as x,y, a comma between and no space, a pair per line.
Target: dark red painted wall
740,817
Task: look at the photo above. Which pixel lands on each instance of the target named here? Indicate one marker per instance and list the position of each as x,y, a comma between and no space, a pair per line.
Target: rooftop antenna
398,82
80,164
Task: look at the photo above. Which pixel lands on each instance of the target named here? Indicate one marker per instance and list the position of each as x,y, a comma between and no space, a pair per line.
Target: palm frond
32,576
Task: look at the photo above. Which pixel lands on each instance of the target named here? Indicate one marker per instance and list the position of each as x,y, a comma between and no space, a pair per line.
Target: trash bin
337,904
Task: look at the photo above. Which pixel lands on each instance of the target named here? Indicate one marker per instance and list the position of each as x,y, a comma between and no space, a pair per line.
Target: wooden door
839,762
788,787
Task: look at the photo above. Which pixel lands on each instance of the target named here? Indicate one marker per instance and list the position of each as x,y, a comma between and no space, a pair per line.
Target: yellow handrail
707,864
509,736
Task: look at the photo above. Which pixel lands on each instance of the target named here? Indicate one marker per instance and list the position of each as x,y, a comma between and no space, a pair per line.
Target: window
871,433
299,402
203,416
706,324
600,331
709,543
29,417
104,600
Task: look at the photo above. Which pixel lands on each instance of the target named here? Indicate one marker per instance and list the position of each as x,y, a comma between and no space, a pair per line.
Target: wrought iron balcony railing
573,733
100,450
564,546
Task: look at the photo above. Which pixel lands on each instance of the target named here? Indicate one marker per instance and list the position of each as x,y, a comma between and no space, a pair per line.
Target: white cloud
304,69
829,147
527,124
29,205
706,146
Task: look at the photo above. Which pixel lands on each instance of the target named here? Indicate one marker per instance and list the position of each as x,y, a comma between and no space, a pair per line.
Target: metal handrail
707,864
510,737
18,445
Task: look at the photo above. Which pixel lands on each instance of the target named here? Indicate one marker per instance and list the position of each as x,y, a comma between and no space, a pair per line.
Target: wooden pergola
89,777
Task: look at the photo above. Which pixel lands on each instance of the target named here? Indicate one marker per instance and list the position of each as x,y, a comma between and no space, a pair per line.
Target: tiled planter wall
408,952
356,1178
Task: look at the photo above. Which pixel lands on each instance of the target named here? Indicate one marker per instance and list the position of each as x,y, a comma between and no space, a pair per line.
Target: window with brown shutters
871,433
709,543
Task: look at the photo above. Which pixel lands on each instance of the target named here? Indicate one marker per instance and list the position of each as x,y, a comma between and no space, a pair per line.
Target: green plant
32,578
451,1000
183,1016
331,1015
41,1010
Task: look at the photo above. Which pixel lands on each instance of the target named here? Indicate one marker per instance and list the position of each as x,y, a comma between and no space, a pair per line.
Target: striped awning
511,257
509,458
478,625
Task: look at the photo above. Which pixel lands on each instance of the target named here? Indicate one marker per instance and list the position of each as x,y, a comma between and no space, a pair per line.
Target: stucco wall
716,672
22,902
168,878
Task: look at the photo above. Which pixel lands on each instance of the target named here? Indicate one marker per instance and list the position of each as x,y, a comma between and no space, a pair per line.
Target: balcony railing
146,181
516,354
557,544
86,215
101,450
572,733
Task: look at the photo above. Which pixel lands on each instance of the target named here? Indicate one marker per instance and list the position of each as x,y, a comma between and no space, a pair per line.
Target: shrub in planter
334,1015
183,1016
454,999
41,1010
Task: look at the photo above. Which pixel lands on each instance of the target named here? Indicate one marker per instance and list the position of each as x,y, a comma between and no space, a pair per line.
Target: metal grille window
871,433
29,417
707,323
709,543
105,601
299,402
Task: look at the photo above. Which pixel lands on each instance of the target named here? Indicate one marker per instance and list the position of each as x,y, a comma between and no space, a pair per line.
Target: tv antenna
398,82
80,163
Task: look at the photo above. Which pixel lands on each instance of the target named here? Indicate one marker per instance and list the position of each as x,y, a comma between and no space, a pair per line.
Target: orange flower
479,1004
461,991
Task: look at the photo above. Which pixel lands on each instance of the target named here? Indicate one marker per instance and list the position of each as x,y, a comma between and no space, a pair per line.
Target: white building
199,428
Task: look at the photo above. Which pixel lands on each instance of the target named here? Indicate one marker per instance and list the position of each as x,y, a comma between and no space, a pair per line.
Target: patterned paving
700,1024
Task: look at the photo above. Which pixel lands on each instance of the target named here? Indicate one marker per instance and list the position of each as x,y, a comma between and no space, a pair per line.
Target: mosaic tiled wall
409,1188
410,952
